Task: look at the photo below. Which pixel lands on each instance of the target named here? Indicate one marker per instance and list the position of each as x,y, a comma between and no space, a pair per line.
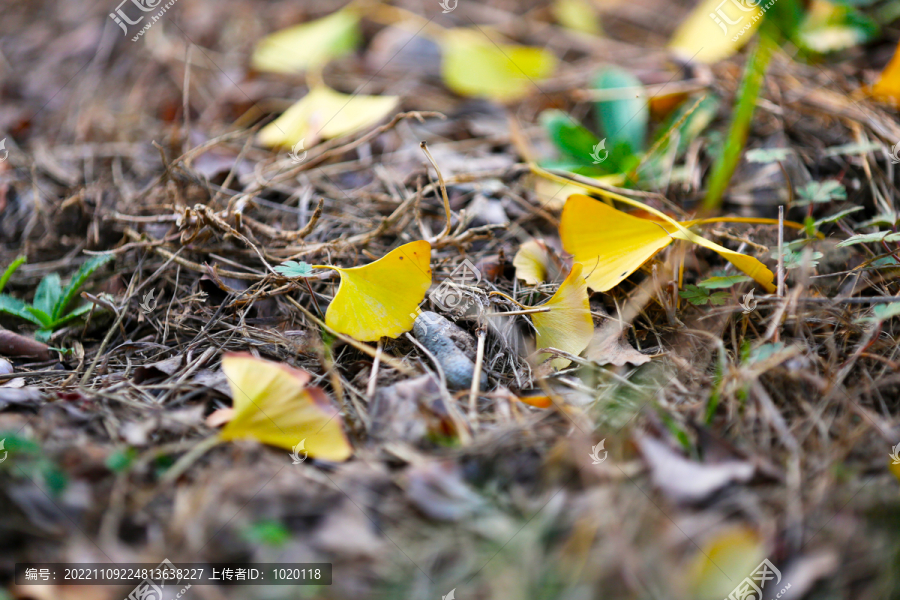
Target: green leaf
837,216
73,314
832,28
48,294
869,238
699,296
623,119
763,352
17,308
829,190
120,460
268,532
571,138
882,312
293,268
783,19
86,270
768,155
44,318
43,335
714,283
855,148
794,258
9,271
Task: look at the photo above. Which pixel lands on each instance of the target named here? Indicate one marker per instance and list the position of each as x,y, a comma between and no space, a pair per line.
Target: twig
781,251
476,379
447,212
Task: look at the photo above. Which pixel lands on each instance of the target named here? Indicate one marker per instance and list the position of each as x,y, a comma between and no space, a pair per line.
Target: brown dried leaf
608,348
685,480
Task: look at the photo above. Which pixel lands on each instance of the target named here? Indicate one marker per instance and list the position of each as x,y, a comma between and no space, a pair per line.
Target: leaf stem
519,304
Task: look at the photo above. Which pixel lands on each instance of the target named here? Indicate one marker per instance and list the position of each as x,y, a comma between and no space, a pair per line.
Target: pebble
432,330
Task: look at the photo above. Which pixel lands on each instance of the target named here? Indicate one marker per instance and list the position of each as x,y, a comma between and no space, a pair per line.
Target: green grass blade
10,270
86,270
17,308
727,162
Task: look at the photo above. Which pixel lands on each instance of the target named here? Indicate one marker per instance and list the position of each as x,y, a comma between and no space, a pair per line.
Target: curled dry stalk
447,212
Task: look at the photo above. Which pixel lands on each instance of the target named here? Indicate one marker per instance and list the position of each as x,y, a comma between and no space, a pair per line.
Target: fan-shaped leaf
611,244
273,405
534,263
568,325
308,45
711,31
323,114
475,66
379,299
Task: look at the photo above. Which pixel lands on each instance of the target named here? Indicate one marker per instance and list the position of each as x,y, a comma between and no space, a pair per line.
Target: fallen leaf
608,348
887,88
473,65
611,244
20,396
379,299
219,417
273,405
684,480
729,556
577,15
408,410
710,33
568,325
534,263
438,490
308,45
324,113
538,400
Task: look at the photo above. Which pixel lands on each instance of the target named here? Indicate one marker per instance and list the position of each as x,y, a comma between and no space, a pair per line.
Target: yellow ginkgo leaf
380,299
534,263
475,66
887,88
308,45
730,555
323,114
894,467
715,30
611,244
273,405
577,15
568,325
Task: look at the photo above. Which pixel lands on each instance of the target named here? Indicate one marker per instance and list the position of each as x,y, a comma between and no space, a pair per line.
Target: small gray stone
432,330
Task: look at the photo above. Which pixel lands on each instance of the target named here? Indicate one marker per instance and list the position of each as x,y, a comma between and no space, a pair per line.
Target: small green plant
699,296
48,311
